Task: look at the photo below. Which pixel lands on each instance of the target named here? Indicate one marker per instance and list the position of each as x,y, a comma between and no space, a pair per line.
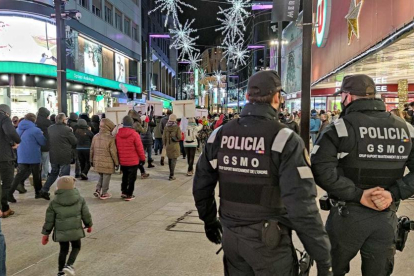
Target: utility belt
327,203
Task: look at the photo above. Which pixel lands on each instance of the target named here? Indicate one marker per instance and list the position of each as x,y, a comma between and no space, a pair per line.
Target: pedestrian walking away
9,141
29,156
104,157
131,154
44,123
171,138
84,136
266,189
62,142
190,143
360,161
66,217
158,136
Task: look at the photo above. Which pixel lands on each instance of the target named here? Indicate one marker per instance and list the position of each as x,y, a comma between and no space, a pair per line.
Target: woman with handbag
171,138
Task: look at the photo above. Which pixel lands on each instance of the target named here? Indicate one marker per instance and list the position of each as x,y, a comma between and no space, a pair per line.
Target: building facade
103,55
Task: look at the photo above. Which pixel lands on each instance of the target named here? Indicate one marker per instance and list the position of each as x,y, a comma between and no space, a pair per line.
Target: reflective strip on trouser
245,253
373,235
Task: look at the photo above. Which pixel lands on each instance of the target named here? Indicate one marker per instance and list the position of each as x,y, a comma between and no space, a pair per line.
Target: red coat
129,145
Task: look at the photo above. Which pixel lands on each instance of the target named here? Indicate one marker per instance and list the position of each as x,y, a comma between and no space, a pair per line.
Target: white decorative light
194,59
218,77
182,39
171,6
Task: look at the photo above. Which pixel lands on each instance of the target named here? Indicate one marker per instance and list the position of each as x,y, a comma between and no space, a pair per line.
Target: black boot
11,199
21,189
162,161
150,165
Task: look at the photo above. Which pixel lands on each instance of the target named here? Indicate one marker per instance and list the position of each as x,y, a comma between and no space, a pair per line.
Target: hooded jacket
43,123
66,216
130,148
315,123
157,129
62,140
84,135
32,139
172,148
95,124
8,137
191,142
73,121
104,154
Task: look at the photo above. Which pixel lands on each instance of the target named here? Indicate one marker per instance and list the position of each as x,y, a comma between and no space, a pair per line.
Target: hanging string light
172,7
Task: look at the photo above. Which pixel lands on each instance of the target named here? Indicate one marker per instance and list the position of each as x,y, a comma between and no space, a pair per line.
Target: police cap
264,83
359,85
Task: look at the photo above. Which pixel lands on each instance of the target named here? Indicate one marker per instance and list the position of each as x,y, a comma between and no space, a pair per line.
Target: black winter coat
44,123
95,124
84,136
8,137
62,140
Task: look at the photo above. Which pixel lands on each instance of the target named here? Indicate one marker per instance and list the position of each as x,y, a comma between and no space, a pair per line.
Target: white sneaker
69,270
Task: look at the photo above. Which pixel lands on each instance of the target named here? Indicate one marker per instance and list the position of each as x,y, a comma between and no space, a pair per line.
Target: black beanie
127,121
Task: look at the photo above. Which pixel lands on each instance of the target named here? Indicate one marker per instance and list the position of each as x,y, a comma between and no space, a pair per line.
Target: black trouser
369,231
171,164
182,148
84,160
24,172
246,255
6,178
129,176
77,163
190,157
64,251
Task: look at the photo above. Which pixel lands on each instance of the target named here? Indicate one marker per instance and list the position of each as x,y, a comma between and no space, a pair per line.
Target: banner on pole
156,106
184,109
285,10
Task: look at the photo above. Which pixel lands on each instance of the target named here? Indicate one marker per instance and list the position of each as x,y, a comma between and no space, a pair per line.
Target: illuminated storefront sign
323,17
50,70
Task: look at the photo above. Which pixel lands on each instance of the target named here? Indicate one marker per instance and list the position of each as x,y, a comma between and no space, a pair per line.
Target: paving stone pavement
130,238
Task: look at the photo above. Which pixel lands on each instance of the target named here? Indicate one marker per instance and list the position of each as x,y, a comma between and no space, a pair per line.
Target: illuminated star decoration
203,74
231,28
171,6
352,19
182,39
194,59
239,56
218,76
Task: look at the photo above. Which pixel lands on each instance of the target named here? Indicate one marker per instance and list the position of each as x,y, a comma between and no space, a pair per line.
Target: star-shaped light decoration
352,19
194,59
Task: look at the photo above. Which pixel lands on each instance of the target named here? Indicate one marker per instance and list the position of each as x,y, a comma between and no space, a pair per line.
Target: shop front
97,76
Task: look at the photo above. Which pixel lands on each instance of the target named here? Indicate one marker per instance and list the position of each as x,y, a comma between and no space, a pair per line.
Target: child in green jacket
64,217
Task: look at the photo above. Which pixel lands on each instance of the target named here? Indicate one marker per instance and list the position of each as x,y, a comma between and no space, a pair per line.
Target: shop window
127,26
133,72
118,20
108,13
84,3
96,7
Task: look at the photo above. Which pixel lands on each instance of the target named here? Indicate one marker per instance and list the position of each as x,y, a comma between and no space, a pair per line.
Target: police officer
360,161
266,189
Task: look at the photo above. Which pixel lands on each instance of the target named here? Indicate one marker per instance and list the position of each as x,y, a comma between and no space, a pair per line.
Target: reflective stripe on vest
213,135
305,172
341,155
341,128
281,139
315,149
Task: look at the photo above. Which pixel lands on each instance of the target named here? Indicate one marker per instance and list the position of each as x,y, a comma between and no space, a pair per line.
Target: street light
149,61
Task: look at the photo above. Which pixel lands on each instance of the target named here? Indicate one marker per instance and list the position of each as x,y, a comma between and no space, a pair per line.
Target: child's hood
67,197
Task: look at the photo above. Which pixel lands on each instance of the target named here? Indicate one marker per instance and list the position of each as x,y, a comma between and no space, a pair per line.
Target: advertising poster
27,40
50,101
119,68
292,59
93,58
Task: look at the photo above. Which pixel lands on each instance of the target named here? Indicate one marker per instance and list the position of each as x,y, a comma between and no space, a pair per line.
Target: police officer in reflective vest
360,161
266,189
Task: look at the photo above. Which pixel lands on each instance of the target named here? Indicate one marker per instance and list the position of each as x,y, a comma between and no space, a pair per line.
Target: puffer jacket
104,154
84,135
130,148
95,124
172,148
62,141
43,123
146,137
65,215
32,138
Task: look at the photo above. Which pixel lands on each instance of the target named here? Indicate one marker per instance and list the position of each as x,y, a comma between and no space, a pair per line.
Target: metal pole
149,67
306,71
238,94
279,48
61,58
181,83
226,106
265,57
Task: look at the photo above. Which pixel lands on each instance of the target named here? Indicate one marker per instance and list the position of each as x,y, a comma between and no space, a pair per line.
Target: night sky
205,16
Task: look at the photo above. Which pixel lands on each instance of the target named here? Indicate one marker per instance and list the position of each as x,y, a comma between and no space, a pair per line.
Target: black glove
142,163
214,231
324,270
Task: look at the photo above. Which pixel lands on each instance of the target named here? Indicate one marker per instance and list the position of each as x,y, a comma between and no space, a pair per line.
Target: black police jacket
243,156
367,147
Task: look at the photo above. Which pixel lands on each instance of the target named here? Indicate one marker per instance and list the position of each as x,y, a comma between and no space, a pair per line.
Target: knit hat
66,183
172,118
5,108
127,121
82,123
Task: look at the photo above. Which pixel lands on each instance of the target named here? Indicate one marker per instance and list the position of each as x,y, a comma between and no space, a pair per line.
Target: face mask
343,103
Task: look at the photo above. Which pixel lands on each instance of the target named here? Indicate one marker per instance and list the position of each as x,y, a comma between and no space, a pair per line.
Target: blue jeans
45,165
313,137
57,170
148,150
2,253
158,145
